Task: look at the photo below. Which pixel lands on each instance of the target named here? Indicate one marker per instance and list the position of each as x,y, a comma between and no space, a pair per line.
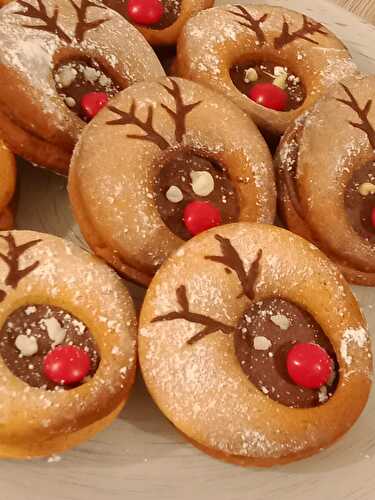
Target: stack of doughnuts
250,339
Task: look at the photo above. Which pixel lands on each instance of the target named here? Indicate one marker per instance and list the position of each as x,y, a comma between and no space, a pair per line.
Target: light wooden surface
141,457
364,8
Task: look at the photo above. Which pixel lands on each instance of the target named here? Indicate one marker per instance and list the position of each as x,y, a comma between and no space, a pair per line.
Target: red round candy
66,365
269,95
309,365
145,12
200,216
373,217
93,102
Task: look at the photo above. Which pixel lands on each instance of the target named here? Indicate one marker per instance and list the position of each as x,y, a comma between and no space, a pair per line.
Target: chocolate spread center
245,76
74,79
184,177
46,327
264,336
360,201
172,10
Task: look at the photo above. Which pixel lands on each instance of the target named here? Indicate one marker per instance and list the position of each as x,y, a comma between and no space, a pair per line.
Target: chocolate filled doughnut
159,21
253,345
178,160
67,345
272,62
60,63
7,187
327,187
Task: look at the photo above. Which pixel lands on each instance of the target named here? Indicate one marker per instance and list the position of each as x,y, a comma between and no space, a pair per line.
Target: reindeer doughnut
327,188
272,62
67,345
254,346
179,159
60,62
7,186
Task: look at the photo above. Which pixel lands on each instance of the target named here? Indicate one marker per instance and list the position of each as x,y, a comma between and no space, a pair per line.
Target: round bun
327,188
197,355
257,34
145,131
55,296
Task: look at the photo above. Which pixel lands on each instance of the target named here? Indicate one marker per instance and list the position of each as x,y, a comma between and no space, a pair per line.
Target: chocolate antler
309,27
16,274
211,325
82,25
251,23
129,118
182,110
231,259
365,124
50,22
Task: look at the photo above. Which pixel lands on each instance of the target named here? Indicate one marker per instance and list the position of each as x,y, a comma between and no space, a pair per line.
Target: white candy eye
28,346
202,183
174,194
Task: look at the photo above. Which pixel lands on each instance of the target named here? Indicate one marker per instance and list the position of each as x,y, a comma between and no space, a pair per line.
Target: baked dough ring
34,120
201,387
7,186
166,35
315,205
206,52
114,201
37,422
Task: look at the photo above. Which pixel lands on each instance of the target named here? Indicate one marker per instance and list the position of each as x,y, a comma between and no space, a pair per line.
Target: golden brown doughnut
326,173
239,51
221,323
169,147
67,345
7,186
167,29
52,67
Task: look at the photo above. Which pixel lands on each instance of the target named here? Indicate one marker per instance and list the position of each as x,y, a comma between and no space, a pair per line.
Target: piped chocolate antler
251,23
231,259
11,259
210,325
83,26
309,27
50,22
362,113
181,112
130,118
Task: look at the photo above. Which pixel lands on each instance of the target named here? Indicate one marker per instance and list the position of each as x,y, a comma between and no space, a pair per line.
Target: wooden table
141,457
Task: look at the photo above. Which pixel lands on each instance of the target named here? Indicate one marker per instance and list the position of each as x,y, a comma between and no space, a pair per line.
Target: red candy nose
93,102
200,216
145,12
373,217
309,365
269,95
66,365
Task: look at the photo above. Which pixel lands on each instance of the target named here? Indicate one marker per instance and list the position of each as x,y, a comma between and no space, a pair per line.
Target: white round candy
202,183
174,194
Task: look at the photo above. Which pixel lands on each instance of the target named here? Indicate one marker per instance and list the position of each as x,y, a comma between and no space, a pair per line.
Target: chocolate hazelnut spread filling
245,76
264,336
31,332
184,177
172,10
360,201
75,79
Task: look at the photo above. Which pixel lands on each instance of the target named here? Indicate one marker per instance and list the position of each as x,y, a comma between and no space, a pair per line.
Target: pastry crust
114,201
7,186
206,53
34,120
38,422
320,169
199,385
